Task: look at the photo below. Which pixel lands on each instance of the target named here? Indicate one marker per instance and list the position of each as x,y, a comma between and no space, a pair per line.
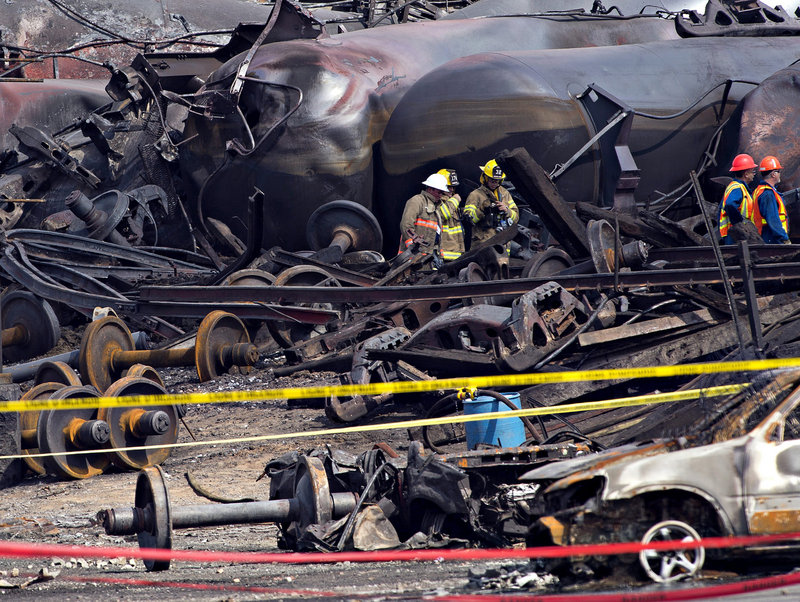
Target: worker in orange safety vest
769,209
737,204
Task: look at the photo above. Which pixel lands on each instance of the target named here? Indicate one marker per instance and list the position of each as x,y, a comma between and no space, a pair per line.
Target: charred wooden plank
670,353
449,362
538,189
649,227
709,297
646,327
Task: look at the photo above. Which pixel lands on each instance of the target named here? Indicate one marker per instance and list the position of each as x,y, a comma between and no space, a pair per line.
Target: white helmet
437,181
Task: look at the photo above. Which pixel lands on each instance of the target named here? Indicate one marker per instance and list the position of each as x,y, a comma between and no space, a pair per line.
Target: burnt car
737,473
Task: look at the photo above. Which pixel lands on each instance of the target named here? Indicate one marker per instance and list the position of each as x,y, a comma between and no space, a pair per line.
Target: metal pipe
129,521
22,372
208,515
726,281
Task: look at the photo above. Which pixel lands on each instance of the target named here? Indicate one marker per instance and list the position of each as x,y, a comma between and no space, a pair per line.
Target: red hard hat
769,163
742,162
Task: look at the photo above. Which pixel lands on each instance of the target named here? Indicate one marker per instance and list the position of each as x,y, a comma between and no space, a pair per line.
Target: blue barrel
502,432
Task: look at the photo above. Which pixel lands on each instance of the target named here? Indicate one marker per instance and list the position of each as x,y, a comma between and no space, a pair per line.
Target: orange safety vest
760,221
745,207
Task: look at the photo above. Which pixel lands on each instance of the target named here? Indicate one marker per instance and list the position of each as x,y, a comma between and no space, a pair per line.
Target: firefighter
490,207
421,221
449,211
737,204
769,209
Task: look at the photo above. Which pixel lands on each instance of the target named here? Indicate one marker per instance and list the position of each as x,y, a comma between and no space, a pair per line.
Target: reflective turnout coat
421,218
452,231
478,209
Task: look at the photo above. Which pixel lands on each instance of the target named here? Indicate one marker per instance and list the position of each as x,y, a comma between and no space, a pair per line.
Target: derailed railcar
765,123
466,111
312,111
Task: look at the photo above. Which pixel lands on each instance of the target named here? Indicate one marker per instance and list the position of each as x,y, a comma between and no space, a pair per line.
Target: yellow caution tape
560,409
478,382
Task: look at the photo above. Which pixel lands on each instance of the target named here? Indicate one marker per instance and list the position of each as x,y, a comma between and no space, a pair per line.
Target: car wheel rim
664,566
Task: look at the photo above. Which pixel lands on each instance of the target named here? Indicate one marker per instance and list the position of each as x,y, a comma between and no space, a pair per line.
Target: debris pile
232,209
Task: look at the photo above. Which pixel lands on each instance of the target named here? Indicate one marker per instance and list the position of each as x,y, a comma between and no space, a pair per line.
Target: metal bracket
42,146
619,174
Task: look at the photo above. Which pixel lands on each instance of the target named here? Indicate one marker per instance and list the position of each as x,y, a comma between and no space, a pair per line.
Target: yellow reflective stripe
452,229
782,213
781,207
450,255
745,207
472,212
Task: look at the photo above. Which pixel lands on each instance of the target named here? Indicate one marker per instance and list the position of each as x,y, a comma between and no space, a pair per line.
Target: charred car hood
563,468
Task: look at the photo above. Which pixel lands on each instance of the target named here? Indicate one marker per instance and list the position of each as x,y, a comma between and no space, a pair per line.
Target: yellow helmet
449,175
492,170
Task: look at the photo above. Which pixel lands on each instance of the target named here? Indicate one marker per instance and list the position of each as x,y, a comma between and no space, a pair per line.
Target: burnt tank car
530,99
311,111
764,124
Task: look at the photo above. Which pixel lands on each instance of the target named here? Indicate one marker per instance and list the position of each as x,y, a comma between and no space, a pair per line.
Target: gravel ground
48,510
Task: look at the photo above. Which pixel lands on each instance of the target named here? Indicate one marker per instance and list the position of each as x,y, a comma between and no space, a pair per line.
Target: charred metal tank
764,124
537,100
575,7
51,104
311,112
108,31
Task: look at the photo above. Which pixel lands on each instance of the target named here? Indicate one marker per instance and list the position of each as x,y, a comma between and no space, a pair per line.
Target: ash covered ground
48,510
52,511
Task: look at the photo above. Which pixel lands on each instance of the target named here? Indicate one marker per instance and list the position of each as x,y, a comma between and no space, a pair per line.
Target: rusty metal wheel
137,426
311,489
249,277
152,497
222,342
546,263
57,372
30,326
473,273
345,225
74,430
147,372
602,242
101,340
29,421
287,334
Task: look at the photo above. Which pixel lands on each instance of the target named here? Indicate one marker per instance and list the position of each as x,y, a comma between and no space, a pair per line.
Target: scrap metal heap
331,500
559,493
155,207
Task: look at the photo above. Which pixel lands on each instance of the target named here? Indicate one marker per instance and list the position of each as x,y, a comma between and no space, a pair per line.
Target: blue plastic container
502,432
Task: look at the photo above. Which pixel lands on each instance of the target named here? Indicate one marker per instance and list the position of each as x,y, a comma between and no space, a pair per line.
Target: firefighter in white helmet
490,207
450,216
421,222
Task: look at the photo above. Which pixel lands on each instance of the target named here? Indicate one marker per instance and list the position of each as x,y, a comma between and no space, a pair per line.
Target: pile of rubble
129,216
